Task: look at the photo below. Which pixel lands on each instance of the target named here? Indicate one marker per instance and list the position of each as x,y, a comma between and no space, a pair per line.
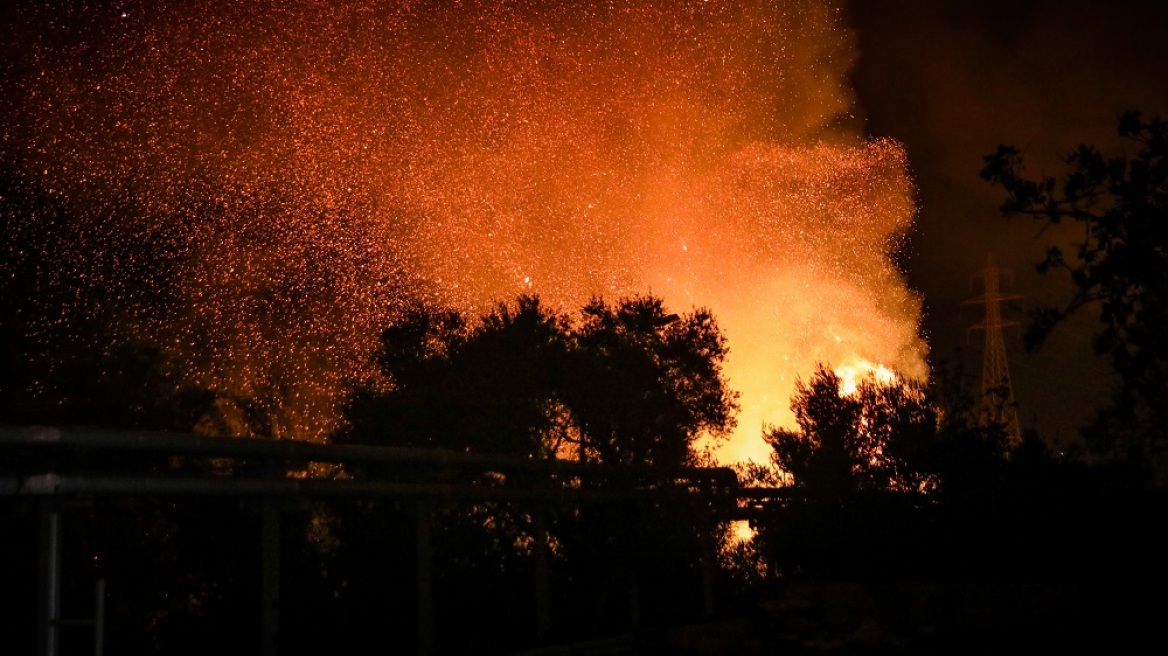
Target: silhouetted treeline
894,482
622,384
898,482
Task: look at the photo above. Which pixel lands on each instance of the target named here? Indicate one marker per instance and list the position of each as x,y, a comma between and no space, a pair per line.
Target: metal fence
52,464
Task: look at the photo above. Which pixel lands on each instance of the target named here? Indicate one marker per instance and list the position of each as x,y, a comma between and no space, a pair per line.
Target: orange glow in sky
301,167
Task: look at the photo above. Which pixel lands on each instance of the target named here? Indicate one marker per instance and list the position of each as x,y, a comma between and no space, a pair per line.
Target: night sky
951,80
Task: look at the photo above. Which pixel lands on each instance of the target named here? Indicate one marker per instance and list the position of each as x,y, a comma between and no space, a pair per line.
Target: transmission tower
997,391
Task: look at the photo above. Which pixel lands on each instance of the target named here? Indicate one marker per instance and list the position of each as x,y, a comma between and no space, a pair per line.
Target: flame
273,180
741,531
852,374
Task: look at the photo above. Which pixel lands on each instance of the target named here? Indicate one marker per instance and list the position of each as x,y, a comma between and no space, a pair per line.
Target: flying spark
259,186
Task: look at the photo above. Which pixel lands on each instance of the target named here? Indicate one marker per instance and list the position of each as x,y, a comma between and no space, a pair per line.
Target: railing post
543,621
709,538
50,578
99,618
270,576
425,579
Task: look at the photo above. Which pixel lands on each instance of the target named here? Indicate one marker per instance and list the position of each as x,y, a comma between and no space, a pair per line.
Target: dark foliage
625,384
898,481
881,437
1119,268
61,359
487,390
642,384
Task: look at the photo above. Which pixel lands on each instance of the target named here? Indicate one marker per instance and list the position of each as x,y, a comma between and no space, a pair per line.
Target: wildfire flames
272,179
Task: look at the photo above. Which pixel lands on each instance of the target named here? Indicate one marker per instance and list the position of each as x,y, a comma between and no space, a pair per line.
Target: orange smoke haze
313,164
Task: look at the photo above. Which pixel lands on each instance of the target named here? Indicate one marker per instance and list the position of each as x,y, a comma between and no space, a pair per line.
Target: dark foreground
911,619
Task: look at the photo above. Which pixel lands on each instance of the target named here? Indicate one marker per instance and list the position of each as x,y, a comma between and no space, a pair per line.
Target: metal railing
56,462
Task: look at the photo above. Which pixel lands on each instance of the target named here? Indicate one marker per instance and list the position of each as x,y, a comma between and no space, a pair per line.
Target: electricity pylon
997,391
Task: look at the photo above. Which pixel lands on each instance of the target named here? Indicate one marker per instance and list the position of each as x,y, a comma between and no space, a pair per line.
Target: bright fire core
290,171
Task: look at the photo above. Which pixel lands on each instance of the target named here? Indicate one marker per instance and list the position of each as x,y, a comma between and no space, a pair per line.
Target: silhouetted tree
63,358
1120,267
843,465
177,581
624,383
643,384
875,438
892,479
490,388
628,383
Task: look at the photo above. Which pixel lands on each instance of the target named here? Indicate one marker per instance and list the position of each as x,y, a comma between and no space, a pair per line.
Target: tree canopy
625,382
621,383
875,438
1119,268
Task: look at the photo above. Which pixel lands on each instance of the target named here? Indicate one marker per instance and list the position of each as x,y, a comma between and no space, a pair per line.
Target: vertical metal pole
50,566
270,577
99,618
425,580
709,560
543,623
634,598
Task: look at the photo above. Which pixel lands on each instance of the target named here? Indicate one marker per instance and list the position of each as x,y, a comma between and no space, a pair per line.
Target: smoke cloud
289,173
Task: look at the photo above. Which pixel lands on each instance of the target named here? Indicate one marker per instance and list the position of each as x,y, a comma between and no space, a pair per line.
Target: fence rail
53,463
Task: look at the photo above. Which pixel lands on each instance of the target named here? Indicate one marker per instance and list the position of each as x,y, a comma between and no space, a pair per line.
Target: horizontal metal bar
56,485
50,437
